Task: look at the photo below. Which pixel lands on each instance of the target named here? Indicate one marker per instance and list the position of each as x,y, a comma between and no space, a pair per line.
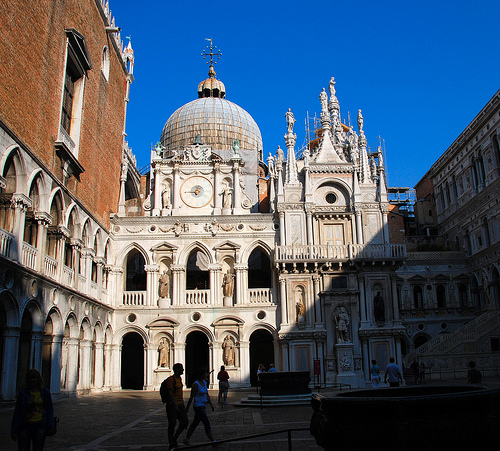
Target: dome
218,121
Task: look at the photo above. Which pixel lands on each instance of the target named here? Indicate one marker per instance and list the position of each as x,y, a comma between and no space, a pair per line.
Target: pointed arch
195,245
13,169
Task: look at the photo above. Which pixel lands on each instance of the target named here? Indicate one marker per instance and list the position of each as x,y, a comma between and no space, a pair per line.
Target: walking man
393,372
171,393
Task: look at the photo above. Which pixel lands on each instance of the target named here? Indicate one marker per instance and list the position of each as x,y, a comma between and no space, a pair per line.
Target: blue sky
419,71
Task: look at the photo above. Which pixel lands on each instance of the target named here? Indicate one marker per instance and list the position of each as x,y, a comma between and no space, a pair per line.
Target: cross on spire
213,51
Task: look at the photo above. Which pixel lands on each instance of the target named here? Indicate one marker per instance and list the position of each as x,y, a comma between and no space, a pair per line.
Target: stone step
288,400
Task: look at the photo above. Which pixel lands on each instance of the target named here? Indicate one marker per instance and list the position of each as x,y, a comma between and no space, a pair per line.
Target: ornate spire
211,87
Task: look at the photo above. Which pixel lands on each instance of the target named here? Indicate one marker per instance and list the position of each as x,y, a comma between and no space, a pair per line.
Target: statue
226,197
228,284
342,320
323,97
360,122
379,308
300,309
331,87
280,155
163,353
236,147
165,196
228,351
290,120
164,285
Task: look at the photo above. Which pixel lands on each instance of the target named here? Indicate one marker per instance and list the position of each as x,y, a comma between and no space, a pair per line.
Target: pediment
228,321
226,246
162,323
164,247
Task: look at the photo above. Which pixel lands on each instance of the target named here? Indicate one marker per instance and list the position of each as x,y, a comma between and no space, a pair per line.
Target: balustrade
134,298
29,255
259,295
6,239
50,267
197,297
68,274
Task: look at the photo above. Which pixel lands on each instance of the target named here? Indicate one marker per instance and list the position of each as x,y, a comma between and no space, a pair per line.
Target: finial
211,53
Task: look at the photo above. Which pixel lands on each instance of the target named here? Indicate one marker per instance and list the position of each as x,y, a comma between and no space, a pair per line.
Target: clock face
197,191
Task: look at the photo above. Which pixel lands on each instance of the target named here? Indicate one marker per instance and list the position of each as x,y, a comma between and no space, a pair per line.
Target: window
105,63
417,297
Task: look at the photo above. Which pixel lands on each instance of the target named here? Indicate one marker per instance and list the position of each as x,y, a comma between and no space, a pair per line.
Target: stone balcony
321,253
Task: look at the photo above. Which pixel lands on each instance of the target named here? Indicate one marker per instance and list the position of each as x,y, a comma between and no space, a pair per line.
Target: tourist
223,378
393,373
375,376
474,376
175,404
200,398
261,369
421,373
272,369
416,370
33,415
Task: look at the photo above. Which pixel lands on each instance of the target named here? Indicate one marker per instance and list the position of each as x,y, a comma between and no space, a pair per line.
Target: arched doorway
132,372
197,355
261,351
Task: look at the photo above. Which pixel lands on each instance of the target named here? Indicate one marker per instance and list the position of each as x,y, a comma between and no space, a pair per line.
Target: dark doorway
196,355
261,351
420,340
133,361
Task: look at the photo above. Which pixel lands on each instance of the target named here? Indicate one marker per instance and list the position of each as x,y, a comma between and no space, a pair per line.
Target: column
236,189
72,365
99,365
149,361
151,284
37,348
395,305
272,193
215,298
176,191
362,301
55,364
218,198
366,358
20,203
100,279
85,350
245,362
317,301
123,180
178,296
116,350
282,228
76,252
286,351
283,299
107,366
9,363
44,220
359,228
310,240
157,193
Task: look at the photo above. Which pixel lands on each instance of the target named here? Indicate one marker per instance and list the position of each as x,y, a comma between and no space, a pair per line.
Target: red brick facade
33,58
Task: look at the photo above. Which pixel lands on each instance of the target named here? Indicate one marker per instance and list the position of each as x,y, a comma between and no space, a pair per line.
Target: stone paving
135,420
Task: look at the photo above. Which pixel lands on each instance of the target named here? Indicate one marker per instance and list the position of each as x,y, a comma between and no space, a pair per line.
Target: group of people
262,369
199,397
392,373
418,372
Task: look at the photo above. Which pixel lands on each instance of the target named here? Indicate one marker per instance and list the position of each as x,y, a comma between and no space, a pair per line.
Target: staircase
470,332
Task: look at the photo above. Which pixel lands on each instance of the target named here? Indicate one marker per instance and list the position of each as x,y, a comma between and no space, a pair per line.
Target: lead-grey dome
218,121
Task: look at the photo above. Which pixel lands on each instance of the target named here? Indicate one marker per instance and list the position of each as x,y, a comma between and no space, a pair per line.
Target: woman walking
33,415
374,371
223,378
200,398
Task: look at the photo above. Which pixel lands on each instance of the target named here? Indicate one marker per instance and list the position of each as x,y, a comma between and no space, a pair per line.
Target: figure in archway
228,350
342,321
164,285
300,309
163,353
228,284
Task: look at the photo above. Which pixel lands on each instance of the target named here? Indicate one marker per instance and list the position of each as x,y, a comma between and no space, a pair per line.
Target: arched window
197,273
441,296
135,279
259,270
105,63
418,301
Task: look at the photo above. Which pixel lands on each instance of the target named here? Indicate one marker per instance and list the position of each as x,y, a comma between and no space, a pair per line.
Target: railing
82,281
6,239
134,298
247,437
344,252
50,266
68,274
29,255
470,332
259,295
197,297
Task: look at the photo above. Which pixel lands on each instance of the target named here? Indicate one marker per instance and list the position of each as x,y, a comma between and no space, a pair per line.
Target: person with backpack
171,395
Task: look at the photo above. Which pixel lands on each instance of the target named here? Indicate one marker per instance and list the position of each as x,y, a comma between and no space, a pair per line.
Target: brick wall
32,55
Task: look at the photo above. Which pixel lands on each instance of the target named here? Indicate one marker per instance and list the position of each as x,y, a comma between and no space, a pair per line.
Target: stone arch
118,336
121,259
195,245
17,182
57,207
268,327
332,186
10,308
260,271
420,339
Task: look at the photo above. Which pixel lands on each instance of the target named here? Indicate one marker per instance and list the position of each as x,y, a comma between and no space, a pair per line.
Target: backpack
164,390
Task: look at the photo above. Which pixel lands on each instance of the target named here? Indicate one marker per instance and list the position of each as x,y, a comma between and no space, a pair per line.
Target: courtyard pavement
136,420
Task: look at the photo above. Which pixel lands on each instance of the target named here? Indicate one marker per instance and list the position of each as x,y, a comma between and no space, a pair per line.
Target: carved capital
43,218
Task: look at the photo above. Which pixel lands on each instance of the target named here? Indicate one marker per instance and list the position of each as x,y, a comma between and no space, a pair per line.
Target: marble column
9,361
